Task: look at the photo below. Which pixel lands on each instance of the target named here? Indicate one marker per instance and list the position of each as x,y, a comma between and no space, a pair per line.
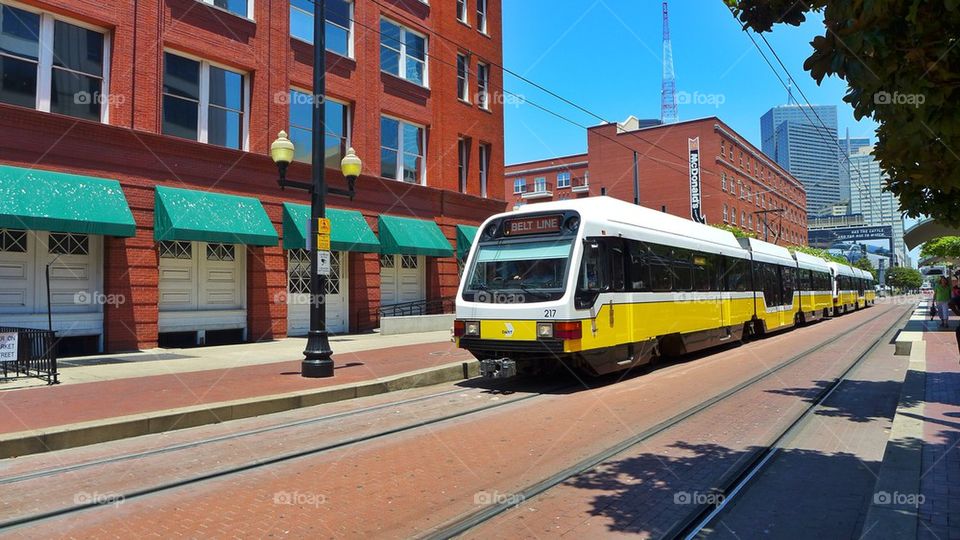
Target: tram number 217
549,313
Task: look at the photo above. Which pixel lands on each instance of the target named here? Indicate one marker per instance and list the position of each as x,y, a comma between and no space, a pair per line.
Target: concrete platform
916,493
115,403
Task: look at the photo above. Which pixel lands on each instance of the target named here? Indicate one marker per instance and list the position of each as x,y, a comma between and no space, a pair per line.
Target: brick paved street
406,484
42,407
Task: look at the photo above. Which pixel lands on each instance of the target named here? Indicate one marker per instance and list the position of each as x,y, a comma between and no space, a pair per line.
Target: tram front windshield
519,272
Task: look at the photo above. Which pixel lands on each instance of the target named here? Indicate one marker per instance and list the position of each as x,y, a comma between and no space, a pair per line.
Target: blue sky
605,55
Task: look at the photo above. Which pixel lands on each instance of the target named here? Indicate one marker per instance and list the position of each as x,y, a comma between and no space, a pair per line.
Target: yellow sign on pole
323,242
323,226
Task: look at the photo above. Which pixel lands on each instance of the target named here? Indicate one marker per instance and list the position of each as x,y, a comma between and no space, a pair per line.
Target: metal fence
36,355
419,307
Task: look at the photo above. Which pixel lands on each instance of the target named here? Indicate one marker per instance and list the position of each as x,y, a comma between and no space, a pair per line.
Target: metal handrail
417,307
36,355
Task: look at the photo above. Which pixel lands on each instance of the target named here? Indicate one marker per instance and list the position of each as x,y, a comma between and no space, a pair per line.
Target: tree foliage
947,247
864,263
904,278
901,66
737,231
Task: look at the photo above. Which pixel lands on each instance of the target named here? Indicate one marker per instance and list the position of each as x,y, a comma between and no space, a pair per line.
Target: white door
402,279
337,297
202,286
76,277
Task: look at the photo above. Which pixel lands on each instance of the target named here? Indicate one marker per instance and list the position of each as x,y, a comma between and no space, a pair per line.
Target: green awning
184,214
40,200
465,236
348,229
408,236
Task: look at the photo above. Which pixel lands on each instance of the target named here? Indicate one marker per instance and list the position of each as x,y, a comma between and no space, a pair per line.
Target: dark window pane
75,95
415,71
337,40
388,163
411,169
302,140
411,139
77,49
333,151
19,32
180,117
301,24
390,35
389,132
389,60
338,12
226,88
416,46
18,82
301,113
223,128
181,76
236,6
335,114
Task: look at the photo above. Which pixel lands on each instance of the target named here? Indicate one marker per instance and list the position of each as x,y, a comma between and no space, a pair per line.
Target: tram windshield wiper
526,288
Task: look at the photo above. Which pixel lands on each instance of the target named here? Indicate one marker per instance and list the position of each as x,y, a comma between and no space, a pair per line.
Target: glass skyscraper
803,140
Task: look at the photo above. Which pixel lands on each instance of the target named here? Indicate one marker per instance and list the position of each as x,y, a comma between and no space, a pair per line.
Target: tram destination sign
533,225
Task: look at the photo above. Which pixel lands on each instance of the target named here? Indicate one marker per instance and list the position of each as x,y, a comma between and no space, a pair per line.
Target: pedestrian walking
941,297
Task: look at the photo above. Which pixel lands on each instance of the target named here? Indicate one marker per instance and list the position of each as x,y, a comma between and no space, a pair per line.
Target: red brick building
189,94
737,182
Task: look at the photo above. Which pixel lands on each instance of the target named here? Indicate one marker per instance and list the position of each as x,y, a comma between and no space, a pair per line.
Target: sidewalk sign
8,346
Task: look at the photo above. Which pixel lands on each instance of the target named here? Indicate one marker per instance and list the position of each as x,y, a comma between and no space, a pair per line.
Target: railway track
702,515
31,519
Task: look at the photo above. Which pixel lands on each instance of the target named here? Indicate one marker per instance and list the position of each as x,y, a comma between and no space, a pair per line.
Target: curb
901,467
23,443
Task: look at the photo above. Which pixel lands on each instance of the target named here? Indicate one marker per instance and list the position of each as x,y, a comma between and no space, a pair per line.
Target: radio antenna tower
668,90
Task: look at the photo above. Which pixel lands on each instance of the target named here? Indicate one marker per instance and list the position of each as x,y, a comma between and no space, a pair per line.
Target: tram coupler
501,368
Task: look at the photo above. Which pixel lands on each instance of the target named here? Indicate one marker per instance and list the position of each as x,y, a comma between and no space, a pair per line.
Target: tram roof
842,269
608,209
811,262
767,252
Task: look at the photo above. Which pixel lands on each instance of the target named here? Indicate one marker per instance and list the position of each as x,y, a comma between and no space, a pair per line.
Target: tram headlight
544,330
471,328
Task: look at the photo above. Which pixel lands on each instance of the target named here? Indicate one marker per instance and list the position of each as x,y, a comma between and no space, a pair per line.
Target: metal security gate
337,295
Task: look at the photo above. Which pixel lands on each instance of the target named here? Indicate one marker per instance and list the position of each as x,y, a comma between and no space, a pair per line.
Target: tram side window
789,284
682,270
738,275
618,280
825,282
704,269
804,279
638,267
769,281
661,275
590,271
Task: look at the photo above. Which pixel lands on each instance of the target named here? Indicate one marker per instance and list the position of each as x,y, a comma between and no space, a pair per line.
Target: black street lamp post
317,361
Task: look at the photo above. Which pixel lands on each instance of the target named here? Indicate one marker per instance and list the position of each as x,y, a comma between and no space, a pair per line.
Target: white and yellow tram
601,285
